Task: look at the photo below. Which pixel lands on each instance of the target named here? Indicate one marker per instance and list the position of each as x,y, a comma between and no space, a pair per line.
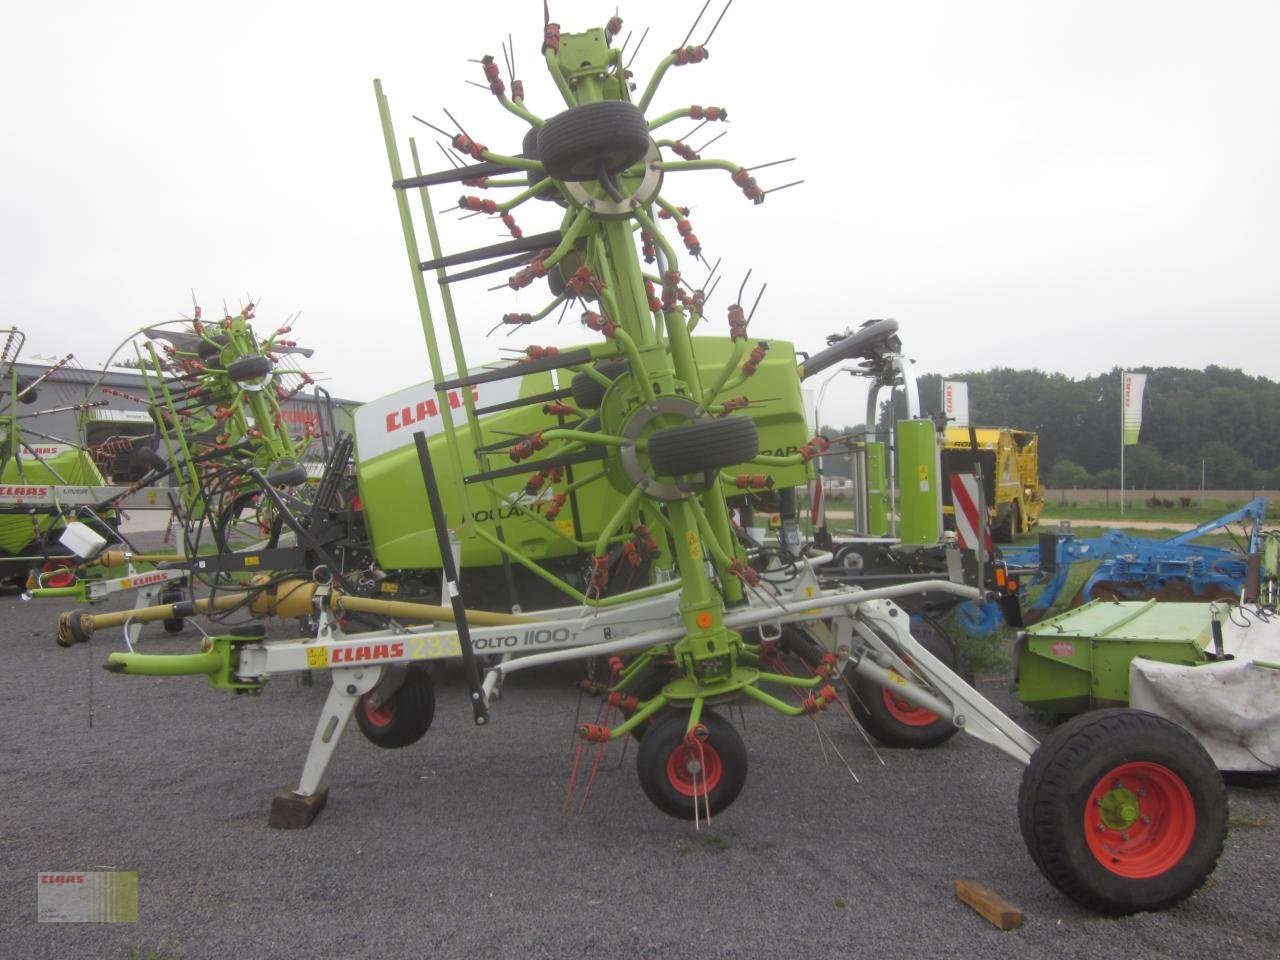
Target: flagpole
1122,439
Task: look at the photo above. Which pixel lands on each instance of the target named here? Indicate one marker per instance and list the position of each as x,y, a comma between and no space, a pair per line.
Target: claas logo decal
368,651
424,410
23,491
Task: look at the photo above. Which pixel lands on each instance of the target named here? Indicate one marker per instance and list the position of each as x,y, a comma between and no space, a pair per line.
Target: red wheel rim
1139,820
687,762
58,573
383,715
906,712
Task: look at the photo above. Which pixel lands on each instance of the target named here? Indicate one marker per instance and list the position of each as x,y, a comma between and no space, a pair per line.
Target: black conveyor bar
539,241
547,397
581,456
486,168
568,358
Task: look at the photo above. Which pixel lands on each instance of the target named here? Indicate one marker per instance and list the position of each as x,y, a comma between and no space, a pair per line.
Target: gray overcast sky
1065,186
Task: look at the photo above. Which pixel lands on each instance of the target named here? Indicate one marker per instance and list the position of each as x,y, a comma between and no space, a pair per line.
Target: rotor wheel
529,148
706,445
675,773
253,367
404,717
583,141
588,393
896,721
1123,811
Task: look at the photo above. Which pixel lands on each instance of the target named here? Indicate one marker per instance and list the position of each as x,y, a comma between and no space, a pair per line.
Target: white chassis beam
872,636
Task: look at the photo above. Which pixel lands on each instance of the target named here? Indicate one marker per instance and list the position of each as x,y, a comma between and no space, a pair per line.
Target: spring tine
637,49
757,303
685,42
717,23
837,750
443,133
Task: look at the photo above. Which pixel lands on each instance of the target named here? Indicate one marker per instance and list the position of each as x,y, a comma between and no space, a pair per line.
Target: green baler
394,499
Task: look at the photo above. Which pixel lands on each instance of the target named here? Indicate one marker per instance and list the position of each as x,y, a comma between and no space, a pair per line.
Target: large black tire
587,392
1007,529
253,367
1123,811
286,473
708,445
404,717
529,148
896,722
573,144
666,766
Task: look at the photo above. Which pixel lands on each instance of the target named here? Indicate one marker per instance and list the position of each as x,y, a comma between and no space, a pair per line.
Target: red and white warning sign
817,503
964,496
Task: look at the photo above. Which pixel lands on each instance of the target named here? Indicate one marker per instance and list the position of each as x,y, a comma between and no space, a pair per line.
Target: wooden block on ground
292,812
994,908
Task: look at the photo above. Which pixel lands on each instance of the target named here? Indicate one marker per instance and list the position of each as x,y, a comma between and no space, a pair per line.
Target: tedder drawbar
619,498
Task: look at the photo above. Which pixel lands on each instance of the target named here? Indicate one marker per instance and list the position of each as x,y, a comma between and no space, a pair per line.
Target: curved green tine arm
722,379
659,71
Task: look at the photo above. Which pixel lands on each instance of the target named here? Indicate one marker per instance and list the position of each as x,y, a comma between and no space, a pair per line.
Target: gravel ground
458,847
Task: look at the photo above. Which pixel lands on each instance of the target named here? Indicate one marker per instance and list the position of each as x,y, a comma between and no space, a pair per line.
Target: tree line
1215,417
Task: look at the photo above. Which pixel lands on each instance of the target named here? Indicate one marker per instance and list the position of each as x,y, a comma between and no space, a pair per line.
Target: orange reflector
704,620
999,576
1013,586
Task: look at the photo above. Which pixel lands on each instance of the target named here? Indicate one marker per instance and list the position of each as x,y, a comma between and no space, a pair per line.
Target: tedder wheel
1123,811
897,722
169,596
672,771
404,717
708,445
286,473
574,144
529,147
587,392
253,367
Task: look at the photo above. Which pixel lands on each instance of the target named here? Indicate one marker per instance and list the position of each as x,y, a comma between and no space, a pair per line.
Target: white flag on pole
955,402
1131,406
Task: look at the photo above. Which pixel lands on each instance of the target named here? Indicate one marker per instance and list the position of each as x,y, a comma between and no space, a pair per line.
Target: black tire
708,445
662,765
529,149
555,281
169,596
1006,530
404,717
210,350
253,367
587,392
286,473
573,144
1123,811
896,722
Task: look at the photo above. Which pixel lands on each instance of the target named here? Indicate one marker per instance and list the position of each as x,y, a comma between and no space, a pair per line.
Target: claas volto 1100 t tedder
611,482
